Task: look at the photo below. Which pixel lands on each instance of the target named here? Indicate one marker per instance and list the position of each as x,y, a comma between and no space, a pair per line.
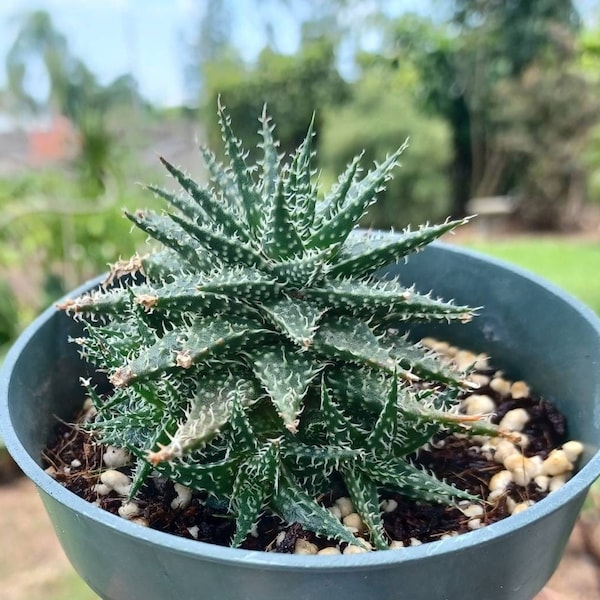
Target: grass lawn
574,265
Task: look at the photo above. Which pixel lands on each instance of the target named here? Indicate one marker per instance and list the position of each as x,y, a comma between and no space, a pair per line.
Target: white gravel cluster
547,474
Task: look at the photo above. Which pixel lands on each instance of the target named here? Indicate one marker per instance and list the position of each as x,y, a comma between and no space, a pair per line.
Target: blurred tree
431,51
544,118
38,40
293,87
465,71
59,227
72,91
498,40
378,123
516,33
589,63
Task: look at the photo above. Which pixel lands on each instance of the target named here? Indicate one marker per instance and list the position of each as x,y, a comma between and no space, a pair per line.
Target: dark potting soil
75,460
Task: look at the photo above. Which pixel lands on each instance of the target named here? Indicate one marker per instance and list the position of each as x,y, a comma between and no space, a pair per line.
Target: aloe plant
254,355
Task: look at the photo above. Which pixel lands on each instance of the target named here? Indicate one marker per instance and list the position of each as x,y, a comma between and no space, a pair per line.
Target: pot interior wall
45,383
530,330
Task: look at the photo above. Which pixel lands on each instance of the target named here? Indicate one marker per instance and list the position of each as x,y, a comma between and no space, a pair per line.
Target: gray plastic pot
531,328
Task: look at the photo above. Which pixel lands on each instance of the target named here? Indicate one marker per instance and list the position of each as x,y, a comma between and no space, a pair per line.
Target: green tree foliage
377,123
293,86
51,240
474,74
544,118
73,92
589,64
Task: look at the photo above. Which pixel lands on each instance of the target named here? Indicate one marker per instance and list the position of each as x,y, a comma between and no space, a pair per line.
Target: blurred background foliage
498,98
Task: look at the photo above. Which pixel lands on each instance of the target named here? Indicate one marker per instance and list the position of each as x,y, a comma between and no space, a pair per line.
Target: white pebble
429,342
352,549
128,510
396,544
523,441
335,511
330,550
500,386
514,420
478,379
415,542
572,450
473,510
280,537
557,482
510,504
481,363
557,463
102,489
183,498
115,457
495,494
523,469
542,482
389,506
66,470
353,521
478,404
345,505
194,531
441,347
364,543
484,440
117,481
504,449
303,546
500,480
475,524
51,471
75,463
464,359
519,389
520,507
140,521
452,351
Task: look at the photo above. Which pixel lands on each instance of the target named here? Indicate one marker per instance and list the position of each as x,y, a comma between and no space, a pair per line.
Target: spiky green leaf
256,481
189,208
364,254
350,339
209,204
296,319
285,374
363,492
280,238
332,203
294,505
413,482
241,174
360,196
385,431
225,248
205,338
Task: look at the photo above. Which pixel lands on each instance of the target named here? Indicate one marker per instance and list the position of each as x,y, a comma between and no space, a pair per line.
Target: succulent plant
254,354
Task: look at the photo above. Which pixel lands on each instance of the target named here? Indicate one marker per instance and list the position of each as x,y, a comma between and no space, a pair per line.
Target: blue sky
147,37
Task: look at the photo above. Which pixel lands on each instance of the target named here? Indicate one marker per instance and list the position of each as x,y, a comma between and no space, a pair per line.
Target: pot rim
576,486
